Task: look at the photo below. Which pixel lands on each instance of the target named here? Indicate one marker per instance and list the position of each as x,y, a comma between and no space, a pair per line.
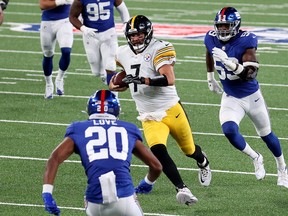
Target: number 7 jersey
146,64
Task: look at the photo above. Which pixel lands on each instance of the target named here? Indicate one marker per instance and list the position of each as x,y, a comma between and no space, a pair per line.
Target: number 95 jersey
98,14
146,64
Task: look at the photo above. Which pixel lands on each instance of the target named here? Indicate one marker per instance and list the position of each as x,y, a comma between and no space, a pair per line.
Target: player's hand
116,88
133,79
213,84
222,56
50,204
219,54
144,187
89,32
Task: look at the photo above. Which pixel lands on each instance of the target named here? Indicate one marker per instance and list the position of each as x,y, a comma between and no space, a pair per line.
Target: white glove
219,54
213,84
89,32
230,65
63,2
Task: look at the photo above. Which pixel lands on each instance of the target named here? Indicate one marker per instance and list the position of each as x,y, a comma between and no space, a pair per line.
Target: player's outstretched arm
61,153
155,167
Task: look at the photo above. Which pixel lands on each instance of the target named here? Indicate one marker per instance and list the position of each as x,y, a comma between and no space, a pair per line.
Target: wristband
83,28
210,75
47,188
158,81
148,181
239,68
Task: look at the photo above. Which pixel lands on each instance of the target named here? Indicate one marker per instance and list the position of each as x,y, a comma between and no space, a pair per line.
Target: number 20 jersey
104,146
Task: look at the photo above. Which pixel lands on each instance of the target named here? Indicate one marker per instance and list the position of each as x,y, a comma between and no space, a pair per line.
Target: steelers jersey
146,64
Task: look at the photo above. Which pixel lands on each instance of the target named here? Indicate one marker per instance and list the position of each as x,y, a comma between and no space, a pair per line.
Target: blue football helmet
103,101
227,16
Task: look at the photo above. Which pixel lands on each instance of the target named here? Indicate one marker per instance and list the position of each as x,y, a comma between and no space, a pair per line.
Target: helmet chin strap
139,48
225,38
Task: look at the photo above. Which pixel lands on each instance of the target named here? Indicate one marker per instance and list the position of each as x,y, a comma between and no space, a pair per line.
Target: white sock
250,152
281,165
48,79
61,74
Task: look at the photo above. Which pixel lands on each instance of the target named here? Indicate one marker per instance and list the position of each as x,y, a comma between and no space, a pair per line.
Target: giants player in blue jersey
55,26
99,33
105,146
232,52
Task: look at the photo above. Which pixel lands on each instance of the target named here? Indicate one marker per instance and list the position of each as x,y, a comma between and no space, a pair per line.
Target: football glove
50,204
213,84
144,187
3,4
133,79
219,54
89,32
230,65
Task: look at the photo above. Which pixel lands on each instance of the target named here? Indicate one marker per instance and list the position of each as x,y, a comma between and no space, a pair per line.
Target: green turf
31,127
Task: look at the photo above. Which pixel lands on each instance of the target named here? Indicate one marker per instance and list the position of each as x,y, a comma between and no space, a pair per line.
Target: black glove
249,73
3,4
133,79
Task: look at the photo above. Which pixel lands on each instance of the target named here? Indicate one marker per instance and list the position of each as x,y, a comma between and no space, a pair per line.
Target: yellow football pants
175,123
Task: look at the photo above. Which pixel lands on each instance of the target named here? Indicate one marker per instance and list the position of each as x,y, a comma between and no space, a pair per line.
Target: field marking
22,79
70,208
8,83
39,73
84,55
133,165
125,99
194,43
63,124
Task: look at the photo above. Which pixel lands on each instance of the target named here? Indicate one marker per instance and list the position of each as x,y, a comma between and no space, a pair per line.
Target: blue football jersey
234,49
98,14
57,13
105,145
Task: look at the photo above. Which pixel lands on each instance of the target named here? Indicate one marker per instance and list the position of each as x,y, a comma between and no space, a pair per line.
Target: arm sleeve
123,11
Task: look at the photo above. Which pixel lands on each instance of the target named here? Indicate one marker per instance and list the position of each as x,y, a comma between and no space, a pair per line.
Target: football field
31,127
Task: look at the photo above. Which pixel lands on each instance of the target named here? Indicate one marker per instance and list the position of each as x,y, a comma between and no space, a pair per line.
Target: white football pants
234,109
128,206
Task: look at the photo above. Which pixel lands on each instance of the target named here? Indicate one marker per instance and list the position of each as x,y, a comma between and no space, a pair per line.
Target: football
117,79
